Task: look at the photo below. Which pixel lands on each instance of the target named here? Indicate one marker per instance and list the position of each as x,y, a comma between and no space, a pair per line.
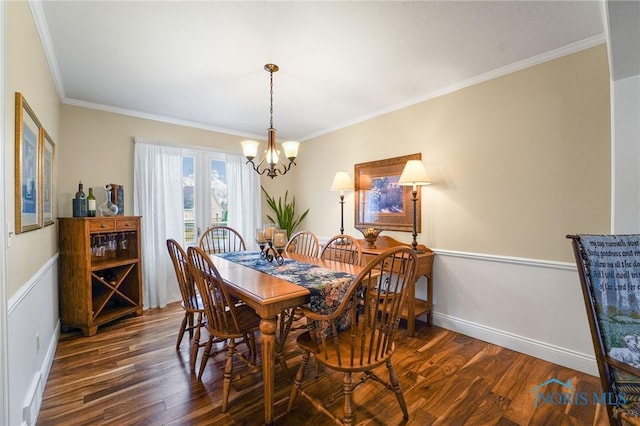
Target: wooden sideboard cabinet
414,306
100,270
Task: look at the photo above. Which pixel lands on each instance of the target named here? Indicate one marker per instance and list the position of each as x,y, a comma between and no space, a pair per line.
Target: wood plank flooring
131,373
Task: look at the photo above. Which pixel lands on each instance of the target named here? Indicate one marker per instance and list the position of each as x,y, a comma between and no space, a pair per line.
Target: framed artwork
27,169
379,201
47,189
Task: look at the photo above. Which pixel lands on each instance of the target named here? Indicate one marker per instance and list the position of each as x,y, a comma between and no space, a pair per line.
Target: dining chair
221,239
342,248
193,319
304,242
610,279
364,338
225,320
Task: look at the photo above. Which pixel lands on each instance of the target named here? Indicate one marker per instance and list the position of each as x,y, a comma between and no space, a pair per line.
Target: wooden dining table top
268,294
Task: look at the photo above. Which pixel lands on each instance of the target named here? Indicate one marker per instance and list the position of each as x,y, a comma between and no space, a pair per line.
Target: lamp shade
414,174
341,182
250,148
290,149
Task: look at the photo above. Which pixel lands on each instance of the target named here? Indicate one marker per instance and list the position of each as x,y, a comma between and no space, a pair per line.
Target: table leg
268,328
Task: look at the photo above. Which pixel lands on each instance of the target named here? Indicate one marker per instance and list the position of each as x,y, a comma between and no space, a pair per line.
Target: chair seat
248,320
364,358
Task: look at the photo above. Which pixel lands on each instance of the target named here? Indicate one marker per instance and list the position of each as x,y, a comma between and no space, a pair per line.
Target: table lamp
415,175
342,182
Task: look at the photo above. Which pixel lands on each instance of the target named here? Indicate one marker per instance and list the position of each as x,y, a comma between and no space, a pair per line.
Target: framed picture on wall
379,201
47,189
27,169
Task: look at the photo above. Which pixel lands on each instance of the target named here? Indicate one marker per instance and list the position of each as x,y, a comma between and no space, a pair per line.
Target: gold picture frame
28,215
379,201
48,186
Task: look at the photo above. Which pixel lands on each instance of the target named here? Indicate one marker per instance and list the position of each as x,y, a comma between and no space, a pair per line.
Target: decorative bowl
370,236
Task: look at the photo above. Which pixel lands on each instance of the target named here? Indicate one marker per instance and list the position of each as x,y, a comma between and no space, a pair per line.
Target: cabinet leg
89,331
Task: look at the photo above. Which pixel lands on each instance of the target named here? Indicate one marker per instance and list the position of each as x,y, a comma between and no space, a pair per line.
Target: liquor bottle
91,204
80,203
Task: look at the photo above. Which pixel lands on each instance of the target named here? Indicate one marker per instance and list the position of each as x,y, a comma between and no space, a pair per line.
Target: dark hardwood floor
130,373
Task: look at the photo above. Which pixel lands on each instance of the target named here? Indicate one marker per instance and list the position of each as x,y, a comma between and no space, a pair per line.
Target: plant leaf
285,212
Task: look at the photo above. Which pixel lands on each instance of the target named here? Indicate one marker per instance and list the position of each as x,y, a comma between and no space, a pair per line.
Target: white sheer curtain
157,197
244,206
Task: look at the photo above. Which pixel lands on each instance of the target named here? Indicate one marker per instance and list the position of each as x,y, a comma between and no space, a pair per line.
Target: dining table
270,288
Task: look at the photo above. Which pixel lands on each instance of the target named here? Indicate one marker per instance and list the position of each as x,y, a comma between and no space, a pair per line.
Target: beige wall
99,150
27,71
516,163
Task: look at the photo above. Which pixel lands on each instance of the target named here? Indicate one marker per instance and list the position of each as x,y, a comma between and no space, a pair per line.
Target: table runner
326,286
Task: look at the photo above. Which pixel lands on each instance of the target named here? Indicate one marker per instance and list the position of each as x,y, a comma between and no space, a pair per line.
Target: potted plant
285,212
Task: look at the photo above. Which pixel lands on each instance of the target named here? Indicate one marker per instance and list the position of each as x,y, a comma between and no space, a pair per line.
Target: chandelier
274,165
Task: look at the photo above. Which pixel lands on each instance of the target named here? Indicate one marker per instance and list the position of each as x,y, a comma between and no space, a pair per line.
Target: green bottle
91,204
80,203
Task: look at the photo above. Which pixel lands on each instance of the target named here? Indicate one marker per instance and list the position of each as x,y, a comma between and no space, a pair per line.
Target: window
204,192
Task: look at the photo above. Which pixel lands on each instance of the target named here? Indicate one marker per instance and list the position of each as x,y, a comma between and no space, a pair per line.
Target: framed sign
27,168
379,201
47,189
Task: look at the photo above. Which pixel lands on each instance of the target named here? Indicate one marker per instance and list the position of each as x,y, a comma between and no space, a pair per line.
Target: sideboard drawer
102,225
126,224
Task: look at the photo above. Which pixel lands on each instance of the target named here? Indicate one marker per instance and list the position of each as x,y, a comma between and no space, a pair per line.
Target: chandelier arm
257,168
287,167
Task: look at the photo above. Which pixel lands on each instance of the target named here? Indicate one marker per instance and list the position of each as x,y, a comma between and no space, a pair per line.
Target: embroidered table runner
326,286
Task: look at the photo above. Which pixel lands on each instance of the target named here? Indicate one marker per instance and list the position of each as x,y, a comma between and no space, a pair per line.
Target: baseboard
555,354
33,403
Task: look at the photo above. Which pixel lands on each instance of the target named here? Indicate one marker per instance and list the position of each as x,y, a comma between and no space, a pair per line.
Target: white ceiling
201,63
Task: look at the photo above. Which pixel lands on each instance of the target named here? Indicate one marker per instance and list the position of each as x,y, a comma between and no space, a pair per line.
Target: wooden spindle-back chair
342,248
304,242
191,302
366,340
225,319
221,239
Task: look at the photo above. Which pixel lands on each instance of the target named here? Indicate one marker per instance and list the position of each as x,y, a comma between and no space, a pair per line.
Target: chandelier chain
271,102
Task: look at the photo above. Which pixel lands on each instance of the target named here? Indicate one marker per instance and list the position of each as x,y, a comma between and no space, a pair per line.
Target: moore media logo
567,395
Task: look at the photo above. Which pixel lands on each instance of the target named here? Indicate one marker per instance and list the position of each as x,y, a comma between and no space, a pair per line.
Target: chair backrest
304,242
374,299
183,274
219,308
609,271
221,239
342,248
